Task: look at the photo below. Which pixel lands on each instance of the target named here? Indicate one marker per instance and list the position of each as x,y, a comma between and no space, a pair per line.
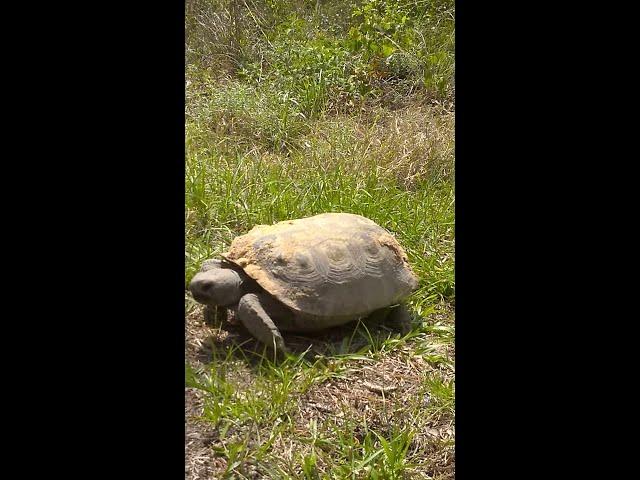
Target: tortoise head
217,286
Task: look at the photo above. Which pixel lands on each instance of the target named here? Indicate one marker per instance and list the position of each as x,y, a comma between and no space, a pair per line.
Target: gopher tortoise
308,274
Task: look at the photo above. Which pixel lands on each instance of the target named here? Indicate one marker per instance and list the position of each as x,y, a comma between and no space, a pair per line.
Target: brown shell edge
263,279
387,240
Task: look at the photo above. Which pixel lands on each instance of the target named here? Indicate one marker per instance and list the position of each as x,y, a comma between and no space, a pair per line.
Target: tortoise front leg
252,312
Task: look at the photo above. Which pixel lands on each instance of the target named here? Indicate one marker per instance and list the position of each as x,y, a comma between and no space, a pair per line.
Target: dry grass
410,145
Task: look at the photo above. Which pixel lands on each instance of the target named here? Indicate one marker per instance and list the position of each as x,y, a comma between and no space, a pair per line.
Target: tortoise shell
328,265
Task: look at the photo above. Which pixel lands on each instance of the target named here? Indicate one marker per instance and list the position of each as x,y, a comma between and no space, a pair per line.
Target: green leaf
388,50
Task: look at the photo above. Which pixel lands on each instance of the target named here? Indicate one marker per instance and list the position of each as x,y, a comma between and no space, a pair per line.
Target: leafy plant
405,40
383,27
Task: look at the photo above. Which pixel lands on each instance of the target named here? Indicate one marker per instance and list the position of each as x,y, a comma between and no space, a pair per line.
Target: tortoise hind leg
400,317
252,312
397,317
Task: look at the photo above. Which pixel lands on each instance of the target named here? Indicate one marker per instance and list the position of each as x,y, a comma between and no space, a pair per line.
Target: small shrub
407,42
382,27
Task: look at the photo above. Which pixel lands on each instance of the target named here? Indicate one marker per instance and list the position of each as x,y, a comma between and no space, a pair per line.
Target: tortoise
309,274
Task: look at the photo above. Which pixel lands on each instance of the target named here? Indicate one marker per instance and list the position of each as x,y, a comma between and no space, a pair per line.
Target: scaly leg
252,312
401,318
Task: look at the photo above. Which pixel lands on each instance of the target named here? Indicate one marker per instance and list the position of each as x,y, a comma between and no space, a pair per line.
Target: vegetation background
298,107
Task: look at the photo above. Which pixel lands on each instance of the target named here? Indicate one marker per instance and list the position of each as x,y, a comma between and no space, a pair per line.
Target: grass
313,414
265,144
